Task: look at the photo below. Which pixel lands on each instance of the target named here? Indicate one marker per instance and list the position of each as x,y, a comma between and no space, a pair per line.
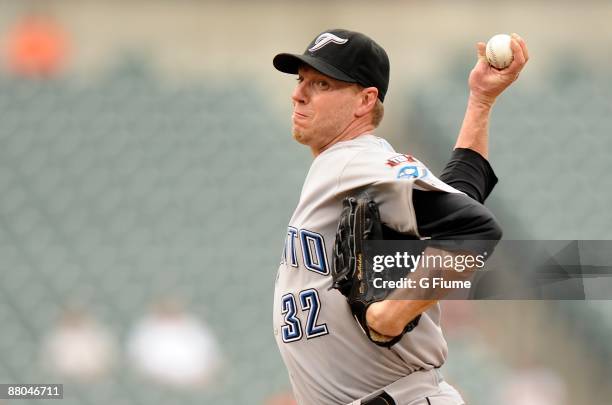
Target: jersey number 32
309,302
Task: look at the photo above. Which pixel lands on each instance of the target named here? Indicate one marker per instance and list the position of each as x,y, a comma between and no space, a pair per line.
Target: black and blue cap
344,55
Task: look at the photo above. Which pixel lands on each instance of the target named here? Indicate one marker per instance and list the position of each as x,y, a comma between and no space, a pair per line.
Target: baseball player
342,79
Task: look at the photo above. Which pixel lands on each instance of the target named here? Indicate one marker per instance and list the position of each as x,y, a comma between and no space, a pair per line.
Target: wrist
481,101
379,320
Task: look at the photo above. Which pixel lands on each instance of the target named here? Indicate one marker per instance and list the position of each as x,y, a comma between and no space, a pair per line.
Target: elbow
485,229
494,230
490,234
483,224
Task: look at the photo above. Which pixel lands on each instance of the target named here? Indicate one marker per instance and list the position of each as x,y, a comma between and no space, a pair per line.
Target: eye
300,79
322,84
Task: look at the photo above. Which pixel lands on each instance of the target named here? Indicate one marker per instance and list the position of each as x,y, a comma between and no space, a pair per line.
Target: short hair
378,113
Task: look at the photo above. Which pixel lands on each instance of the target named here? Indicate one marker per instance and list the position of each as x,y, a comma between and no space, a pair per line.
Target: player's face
323,108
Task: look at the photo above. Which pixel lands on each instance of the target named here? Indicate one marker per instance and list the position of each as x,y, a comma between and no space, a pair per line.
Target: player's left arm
486,83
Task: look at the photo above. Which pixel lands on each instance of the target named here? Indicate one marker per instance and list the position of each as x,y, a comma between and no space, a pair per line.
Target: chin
300,137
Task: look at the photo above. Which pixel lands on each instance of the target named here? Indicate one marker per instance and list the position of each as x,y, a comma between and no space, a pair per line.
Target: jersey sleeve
447,216
470,173
391,178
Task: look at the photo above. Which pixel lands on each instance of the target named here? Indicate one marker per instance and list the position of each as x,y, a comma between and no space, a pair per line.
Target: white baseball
499,53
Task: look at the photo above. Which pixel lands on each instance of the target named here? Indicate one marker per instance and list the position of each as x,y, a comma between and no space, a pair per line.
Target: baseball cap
344,55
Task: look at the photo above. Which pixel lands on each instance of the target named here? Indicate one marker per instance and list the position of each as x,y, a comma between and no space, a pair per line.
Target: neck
353,130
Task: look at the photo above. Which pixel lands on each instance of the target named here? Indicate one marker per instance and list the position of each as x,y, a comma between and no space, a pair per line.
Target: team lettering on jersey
399,159
314,256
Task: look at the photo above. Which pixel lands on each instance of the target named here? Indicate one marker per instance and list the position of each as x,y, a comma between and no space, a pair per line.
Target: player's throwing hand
486,82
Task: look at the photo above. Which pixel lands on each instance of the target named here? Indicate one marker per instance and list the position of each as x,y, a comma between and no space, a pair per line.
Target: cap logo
325,39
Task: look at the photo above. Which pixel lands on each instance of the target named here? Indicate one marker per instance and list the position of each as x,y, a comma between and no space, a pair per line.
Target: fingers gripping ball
499,54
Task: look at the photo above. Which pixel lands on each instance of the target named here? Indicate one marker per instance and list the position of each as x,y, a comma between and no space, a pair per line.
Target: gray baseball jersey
329,358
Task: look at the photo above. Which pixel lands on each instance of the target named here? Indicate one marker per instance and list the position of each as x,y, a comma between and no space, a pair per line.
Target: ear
366,101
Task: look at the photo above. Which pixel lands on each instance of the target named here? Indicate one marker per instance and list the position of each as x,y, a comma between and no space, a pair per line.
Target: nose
299,94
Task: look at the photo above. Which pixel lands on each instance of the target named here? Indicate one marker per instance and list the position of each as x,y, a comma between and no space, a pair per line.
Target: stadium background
156,161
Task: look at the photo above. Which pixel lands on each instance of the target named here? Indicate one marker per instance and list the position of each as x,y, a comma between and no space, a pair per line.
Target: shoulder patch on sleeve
412,172
399,159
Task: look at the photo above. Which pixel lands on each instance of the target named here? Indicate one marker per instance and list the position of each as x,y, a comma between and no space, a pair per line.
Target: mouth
299,115
299,118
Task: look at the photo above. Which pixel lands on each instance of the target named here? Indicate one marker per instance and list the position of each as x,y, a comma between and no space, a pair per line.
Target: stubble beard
320,133
314,137
305,136
298,135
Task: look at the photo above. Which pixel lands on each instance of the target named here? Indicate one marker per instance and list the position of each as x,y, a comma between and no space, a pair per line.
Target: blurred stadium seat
117,193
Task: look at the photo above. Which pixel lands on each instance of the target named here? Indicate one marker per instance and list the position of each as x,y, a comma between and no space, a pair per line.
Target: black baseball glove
352,271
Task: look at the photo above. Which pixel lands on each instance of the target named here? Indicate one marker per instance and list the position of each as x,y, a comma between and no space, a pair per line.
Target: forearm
390,317
474,133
